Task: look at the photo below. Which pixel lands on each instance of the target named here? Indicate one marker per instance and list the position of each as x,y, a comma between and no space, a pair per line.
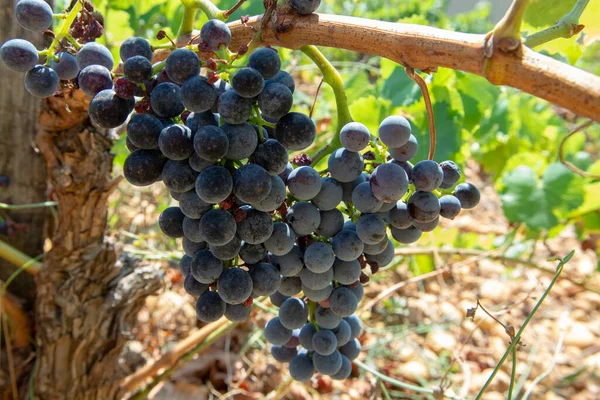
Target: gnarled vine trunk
87,298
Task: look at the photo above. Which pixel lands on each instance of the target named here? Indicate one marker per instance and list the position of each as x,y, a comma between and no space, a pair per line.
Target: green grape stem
332,77
64,30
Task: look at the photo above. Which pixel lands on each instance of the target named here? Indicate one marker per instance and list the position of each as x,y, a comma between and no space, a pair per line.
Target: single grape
272,156
275,198
282,239
324,342
394,131
211,143
301,368
277,299
196,121
191,248
234,286
206,268
34,15
252,253
328,365
355,326
295,131
20,55
290,286
251,183
342,333
286,172
378,248
266,61
276,333
345,166
405,152
370,229
215,33
382,259
345,370
242,141
304,183
176,142
332,222
451,174
192,205
306,335
185,265
304,218
178,176
364,200
191,229
41,81
305,7
193,287
346,272
218,227
165,100
275,100
227,251
198,163
285,79
326,318
283,354
399,216
406,236
214,184
94,79
355,136
247,82
135,46
351,349
319,257
181,65
423,206
144,130
143,167
318,294
343,302
265,278
427,226
93,53
348,187
137,69
316,281
170,222
467,194
389,182
66,67
256,227
427,175
210,307
449,206
293,313
329,196
233,108
237,312
291,263
347,245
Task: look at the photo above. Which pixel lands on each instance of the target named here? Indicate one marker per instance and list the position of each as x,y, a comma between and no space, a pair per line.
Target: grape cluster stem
64,30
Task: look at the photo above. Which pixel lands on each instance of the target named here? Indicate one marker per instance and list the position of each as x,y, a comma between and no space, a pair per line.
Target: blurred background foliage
510,138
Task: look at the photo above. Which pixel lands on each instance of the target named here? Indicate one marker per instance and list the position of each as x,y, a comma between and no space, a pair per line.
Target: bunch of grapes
91,63
253,223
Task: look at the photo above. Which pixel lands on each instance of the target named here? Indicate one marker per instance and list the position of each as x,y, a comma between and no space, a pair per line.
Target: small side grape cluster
90,64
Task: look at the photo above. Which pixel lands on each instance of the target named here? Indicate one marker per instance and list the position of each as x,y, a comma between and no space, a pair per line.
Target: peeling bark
88,298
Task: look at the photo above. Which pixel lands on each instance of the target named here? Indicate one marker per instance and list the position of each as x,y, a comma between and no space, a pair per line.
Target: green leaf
543,13
563,188
370,111
400,89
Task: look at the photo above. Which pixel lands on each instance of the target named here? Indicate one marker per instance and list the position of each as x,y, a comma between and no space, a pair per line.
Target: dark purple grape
181,65
143,130
423,206
107,110
93,53
176,142
93,79
165,100
285,79
266,61
143,167
198,95
66,67
41,81
135,46
394,131
211,143
215,33
247,82
233,108
137,69
467,194
34,15
19,55
451,174
427,175
295,131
